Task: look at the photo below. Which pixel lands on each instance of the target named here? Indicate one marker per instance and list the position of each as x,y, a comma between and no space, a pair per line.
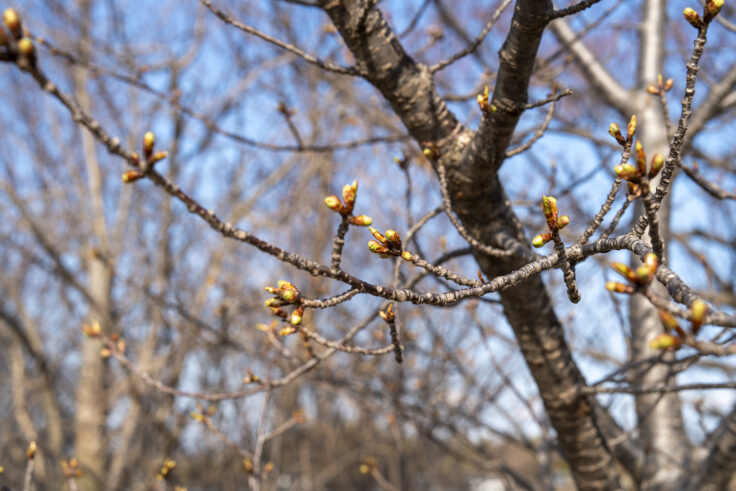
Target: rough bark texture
481,204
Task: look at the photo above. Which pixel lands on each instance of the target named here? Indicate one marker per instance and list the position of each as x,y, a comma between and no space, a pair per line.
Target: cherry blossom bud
361,220
665,342
149,139
625,171
615,131
692,17
631,128
333,203
131,176
656,165
11,19
616,287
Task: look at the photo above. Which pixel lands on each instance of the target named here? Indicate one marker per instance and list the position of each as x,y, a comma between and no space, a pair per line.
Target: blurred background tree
265,108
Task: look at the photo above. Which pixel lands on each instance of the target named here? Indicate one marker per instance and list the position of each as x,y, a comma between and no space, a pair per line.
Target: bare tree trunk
659,415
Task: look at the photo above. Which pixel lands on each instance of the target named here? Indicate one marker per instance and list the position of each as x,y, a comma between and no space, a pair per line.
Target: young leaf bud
333,203
541,239
393,238
665,342
668,320
131,176
149,140
626,171
563,222
616,287
11,19
406,255
712,8
378,235
25,47
641,159
296,316
624,271
692,17
158,156
656,165
615,131
377,247
668,84
349,192
698,309
361,220
549,205
653,89
631,128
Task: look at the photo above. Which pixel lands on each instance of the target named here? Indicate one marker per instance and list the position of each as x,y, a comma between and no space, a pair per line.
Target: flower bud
665,342
333,203
668,84
287,330
349,192
549,205
393,238
131,176
668,320
26,48
563,222
378,235
31,451
624,271
692,17
406,255
631,128
541,239
361,220
11,19
698,309
615,131
712,8
653,89
158,156
296,316
149,139
377,247
656,165
625,171
641,159
616,287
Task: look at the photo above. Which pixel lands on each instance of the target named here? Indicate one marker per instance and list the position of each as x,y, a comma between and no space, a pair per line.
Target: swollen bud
378,235
296,316
376,247
406,255
361,220
393,238
712,8
349,192
665,342
616,287
653,89
615,131
563,222
625,171
668,320
641,158
131,176
541,239
668,84
692,17
158,156
656,165
333,203
11,19
624,271
549,205
698,310
631,128
148,141
25,47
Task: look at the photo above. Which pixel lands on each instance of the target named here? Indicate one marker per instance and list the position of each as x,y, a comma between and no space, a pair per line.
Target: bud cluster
483,102
661,86
345,207
17,43
286,294
555,222
641,277
388,244
150,158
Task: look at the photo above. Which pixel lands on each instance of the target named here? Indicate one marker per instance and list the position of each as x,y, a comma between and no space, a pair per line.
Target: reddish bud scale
692,17
656,165
712,8
563,222
376,247
615,131
349,192
158,156
541,239
626,171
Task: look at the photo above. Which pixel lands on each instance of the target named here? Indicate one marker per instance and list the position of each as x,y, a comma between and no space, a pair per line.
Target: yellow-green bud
615,131
656,165
631,128
540,240
131,176
158,156
698,310
668,320
377,247
563,222
149,141
406,255
361,220
25,47
11,19
333,203
624,271
616,287
625,171
692,17
378,235
393,237
665,342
